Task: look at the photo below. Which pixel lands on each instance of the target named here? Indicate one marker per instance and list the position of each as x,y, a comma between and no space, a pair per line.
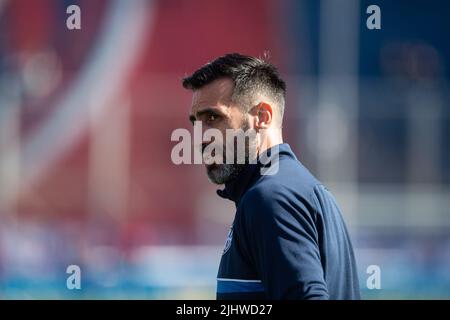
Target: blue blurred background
86,116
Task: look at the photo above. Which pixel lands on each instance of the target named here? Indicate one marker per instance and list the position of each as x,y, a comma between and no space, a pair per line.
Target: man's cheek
213,153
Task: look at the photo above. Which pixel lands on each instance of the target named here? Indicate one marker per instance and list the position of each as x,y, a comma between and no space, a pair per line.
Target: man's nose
199,140
203,146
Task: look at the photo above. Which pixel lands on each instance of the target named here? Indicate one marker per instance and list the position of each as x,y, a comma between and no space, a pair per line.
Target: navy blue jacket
288,239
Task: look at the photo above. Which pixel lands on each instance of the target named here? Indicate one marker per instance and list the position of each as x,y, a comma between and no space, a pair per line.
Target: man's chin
222,173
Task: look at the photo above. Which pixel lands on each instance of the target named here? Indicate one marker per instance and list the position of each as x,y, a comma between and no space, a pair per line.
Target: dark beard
223,173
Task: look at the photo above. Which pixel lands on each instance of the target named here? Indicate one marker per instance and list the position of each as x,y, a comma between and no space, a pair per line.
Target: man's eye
212,117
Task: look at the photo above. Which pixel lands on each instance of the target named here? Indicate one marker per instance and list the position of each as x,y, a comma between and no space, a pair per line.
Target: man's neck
269,138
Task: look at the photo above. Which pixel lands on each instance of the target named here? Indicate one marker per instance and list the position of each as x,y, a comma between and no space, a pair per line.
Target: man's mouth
211,166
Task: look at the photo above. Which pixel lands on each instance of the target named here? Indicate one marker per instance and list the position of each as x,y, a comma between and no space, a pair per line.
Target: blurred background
86,116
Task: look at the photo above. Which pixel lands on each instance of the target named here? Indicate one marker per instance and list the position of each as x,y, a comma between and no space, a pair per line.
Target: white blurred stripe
238,280
104,75
109,151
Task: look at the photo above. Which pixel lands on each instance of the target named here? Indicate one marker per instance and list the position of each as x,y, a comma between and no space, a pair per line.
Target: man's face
213,106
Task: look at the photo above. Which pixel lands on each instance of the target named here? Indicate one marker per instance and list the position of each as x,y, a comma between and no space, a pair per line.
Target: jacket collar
235,189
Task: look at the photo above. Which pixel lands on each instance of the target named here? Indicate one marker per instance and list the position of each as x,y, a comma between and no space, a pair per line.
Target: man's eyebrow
208,110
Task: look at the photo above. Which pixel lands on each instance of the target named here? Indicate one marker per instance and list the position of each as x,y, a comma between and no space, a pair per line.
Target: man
288,239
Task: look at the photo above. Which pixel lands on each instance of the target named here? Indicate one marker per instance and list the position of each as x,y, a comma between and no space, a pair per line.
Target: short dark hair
250,76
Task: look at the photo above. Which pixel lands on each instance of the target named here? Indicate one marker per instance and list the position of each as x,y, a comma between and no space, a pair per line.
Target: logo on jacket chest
228,241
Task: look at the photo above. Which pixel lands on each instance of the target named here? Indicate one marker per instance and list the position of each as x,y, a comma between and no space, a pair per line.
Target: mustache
224,155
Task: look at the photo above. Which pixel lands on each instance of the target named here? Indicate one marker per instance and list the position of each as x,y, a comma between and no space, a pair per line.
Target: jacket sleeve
282,240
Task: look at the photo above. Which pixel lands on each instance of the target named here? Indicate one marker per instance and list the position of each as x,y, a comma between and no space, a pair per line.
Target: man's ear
263,116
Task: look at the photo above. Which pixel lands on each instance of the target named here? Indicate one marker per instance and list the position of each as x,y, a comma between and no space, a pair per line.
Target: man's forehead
217,92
